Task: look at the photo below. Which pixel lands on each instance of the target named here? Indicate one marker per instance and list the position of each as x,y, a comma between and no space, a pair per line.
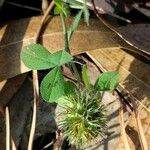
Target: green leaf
86,13
61,8
74,25
35,56
75,4
60,58
107,81
85,77
69,88
52,86
80,5
57,10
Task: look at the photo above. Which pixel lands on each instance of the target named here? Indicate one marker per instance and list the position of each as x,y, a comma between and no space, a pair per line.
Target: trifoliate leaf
35,56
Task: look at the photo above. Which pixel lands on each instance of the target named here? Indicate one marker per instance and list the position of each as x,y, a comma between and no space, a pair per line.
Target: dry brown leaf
138,34
144,10
134,73
132,128
8,88
123,132
110,6
16,34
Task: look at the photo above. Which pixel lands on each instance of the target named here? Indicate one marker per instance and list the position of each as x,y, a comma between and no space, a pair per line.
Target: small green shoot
83,114
85,77
107,81
61,8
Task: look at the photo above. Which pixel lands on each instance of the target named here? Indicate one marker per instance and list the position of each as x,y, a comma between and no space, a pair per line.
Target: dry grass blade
104,11
7,128
133,47
142,138
36,84
143,106
59,141
23,6
48,145
50,7
36,97
44,5
13,144
125,140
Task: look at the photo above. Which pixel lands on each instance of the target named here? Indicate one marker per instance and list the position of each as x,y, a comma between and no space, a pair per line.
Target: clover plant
83,114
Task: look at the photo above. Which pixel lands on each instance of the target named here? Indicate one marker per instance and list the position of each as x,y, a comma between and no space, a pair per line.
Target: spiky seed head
83,117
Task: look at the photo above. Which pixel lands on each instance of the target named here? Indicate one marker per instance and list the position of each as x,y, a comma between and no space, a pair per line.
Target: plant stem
66,45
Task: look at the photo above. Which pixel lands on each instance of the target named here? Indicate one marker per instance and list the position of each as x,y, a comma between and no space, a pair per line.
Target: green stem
66,45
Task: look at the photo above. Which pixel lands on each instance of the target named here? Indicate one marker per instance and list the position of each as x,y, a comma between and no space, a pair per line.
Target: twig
142,105
7,128
125,140
142,138
140,131
44,5
23,6
147,127
36,84
36,97
139,109
103,21
48,145
141,51
13,144
50,7
59,141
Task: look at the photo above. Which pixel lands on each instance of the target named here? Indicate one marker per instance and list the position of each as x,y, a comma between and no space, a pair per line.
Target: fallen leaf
100,42
134,73
17,34
144,10
8,88
138,35
132,128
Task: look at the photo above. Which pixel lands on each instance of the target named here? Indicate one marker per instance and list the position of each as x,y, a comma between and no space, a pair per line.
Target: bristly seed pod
82,117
